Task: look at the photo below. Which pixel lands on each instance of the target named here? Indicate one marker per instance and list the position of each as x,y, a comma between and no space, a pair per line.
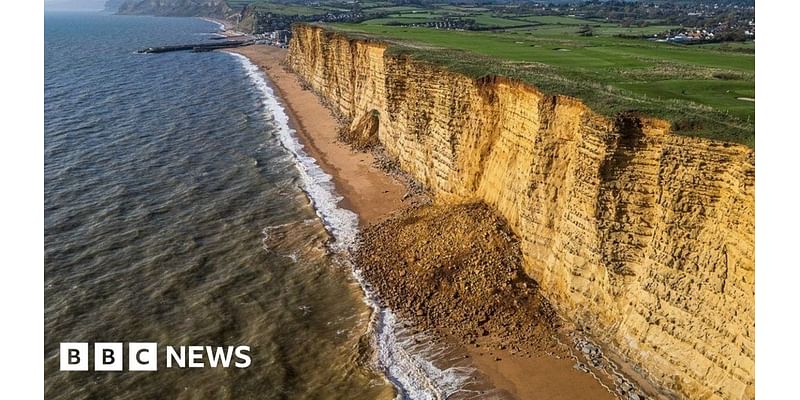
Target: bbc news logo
143,356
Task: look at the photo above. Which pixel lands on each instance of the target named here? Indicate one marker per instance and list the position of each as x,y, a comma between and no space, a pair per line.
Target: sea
180,208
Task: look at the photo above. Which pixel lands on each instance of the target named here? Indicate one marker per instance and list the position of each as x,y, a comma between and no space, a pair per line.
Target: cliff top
703,91
171,8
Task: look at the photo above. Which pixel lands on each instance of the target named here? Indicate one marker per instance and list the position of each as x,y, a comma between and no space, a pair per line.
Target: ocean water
181,209
175,213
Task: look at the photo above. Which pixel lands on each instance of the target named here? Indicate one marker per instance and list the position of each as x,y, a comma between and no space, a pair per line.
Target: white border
777,200
777,203
22,177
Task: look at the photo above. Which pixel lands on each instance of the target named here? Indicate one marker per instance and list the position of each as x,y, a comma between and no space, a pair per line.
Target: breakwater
197,47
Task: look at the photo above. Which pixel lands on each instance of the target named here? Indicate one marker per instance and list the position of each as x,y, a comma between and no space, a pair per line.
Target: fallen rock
462,274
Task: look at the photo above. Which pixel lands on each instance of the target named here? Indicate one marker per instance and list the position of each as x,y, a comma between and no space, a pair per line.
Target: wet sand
538,377
373,195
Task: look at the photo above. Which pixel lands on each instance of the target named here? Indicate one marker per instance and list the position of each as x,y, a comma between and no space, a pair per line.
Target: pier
200,47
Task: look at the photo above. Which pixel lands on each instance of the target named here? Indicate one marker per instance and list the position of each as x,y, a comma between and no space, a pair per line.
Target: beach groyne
643,238
197,47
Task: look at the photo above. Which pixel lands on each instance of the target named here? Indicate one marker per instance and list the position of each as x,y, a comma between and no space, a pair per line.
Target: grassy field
699,88
412,15
561,20
489,20
739,47
238,4
399,20
283,9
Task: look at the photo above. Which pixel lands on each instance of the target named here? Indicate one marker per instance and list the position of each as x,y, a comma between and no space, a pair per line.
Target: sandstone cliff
643,237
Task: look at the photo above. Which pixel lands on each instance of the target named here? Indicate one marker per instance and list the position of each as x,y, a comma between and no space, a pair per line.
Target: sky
74,4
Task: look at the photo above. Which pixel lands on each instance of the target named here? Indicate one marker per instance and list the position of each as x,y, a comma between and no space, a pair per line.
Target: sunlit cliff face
644,238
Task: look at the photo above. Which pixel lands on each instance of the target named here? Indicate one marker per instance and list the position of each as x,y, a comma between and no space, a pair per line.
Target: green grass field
283,9
392,9
740,47
556,19
492,21
238,4
697,87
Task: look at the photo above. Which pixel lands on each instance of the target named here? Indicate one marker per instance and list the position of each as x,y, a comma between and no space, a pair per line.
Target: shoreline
366,190
397,359
374,195
227,28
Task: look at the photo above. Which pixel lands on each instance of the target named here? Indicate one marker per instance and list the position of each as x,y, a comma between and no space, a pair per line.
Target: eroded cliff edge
643,237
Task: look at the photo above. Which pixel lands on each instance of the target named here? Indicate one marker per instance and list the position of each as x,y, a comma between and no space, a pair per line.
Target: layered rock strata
641,237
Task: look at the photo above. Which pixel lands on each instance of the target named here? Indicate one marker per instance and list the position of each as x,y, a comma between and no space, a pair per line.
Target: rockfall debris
457,269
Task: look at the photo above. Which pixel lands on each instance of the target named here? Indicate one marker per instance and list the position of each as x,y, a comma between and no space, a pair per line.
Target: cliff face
642,237
113,5
172,8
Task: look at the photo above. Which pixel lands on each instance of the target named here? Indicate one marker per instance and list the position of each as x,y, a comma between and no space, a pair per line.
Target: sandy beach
373,195
367,190
538,377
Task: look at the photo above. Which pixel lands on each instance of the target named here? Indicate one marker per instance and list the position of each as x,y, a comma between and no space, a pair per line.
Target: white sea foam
220,25
341,223
220,28
405,362
406,359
